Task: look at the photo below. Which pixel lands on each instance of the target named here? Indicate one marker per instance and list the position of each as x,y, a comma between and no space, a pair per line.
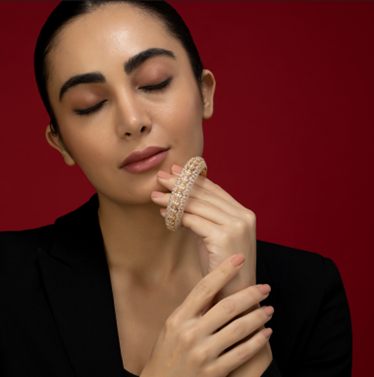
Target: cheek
87,148
183,111
185,124
96,159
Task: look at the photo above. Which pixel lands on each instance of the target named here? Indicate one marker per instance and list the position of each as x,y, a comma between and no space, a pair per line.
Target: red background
291,137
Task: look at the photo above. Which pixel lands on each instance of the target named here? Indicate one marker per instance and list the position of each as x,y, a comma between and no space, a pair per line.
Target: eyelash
90,110
148,88
160,86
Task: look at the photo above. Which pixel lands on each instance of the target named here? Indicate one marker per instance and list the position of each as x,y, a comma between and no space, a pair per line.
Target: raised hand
220,225
189,344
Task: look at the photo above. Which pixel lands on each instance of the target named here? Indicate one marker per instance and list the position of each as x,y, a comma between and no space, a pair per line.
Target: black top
57,316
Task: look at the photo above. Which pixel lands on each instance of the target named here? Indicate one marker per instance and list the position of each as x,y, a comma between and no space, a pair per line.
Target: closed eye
160,86
91,109
148,88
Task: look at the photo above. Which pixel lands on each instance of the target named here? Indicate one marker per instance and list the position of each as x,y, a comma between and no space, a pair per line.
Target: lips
141,155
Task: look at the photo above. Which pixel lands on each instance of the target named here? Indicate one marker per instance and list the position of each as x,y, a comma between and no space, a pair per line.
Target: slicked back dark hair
67,11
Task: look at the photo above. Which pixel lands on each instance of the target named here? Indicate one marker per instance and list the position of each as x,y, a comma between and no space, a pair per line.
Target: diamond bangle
181,191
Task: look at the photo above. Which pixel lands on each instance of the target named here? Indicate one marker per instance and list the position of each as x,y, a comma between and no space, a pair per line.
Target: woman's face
128,117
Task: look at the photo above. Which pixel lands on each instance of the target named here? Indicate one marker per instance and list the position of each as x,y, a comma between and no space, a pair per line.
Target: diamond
181,191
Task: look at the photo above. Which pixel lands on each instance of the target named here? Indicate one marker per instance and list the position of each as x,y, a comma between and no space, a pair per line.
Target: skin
144,258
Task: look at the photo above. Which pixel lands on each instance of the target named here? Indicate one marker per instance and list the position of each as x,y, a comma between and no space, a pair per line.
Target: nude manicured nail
176,168
269,310
163,174
267,332
264,289
157,194
237,260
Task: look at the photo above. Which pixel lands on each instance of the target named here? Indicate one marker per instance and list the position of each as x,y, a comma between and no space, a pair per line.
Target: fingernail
176,169
269,310
157,194
163,174
237,260
264,289
267,332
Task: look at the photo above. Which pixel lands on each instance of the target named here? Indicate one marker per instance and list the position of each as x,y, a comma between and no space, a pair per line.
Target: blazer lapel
78,287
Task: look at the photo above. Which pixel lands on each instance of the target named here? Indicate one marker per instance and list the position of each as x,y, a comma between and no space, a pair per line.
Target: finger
207,196
207,184
219,211
239,329
202,227
231,306
212,194
199,225
169,180
201,208
243,352
205,290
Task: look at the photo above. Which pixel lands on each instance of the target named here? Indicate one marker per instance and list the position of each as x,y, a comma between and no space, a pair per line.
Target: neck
138,244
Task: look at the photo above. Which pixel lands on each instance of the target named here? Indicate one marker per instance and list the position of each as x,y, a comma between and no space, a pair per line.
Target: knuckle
205,373
172,323
224,271
205,353
259,340
200,356
199,203
225,237
217,370
250,217
253,291
242,351
204,288
238,327
228,306
260,315
254,295
214,188
204,194
188,336
239,225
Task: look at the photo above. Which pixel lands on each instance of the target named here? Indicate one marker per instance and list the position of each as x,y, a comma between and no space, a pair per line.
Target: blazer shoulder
273,253
17,246
309,270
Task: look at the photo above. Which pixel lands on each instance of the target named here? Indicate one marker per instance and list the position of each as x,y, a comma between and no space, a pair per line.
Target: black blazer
57,315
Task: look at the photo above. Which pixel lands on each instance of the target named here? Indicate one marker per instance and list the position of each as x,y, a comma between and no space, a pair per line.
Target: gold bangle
181,191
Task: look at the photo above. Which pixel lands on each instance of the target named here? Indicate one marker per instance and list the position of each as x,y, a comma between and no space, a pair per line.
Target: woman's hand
220,225
189,344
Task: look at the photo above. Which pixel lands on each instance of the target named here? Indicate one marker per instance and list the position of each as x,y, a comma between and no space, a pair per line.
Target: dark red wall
291,137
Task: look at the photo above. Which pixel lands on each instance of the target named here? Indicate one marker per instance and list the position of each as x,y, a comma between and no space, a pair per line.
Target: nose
132,117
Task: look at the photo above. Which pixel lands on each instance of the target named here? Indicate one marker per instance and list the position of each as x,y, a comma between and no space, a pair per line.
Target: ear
56,143
208,88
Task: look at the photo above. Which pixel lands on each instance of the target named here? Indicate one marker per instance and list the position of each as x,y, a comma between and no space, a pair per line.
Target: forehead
106,37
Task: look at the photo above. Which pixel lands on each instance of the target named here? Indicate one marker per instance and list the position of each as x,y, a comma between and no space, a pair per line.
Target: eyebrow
133,63
140,58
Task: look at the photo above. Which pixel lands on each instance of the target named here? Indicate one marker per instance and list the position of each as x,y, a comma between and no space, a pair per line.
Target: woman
108,289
